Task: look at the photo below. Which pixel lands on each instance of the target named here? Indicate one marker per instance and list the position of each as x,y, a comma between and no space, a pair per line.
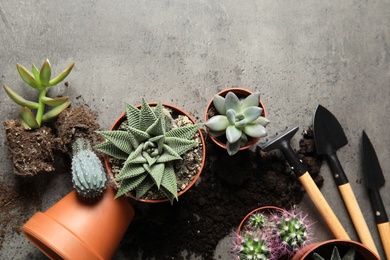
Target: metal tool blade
328,133
372,169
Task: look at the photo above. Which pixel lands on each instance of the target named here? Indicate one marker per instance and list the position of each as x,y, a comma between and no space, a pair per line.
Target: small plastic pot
325,249
177,110
241,93
74,229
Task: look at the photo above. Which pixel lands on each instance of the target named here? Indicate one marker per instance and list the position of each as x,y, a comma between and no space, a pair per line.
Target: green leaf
219,104
256,131
110,149
130,184
233,148
119,139
45,73
20,100
133,116
232,102
55,111
179,145
29,78
185,132
217,123
169,180
35,72
156,172
61,76
28,118
147,116
252,113
233,134
157,128
145,185
136,157
261,121
130,171
168,155
136,136
253,100
54,102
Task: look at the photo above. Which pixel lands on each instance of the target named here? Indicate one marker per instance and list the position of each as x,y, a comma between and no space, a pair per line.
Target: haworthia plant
88,176
237,119
350,255
148,146
40,80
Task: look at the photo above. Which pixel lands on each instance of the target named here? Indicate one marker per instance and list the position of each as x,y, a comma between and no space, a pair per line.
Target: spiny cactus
88,176
292,232
282,232
148,146
350,255
237,119
253,245
41,81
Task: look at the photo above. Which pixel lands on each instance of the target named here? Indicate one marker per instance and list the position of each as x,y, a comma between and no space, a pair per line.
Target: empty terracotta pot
74,229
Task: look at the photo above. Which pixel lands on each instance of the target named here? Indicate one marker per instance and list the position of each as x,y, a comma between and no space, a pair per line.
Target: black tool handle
378,207
337,170
296,164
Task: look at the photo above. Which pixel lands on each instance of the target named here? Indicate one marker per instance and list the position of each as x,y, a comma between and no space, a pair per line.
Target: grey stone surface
298,54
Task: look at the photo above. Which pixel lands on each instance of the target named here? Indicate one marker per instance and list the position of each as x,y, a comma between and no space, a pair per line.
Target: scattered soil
35,151
230,187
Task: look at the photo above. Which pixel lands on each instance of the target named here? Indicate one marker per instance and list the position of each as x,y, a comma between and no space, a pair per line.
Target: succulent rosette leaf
237,119
149,145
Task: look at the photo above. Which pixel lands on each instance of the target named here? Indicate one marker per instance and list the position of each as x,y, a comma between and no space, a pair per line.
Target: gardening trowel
329,136
281,141
374,180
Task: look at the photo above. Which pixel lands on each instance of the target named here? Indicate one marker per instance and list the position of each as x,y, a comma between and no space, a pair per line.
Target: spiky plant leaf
137,136
169,180
168,155
150,160
157,128
143,187
179,145
118,138
156,171
130,184
159,111
110,149
132,115
129,171
147,117
136,157
185,132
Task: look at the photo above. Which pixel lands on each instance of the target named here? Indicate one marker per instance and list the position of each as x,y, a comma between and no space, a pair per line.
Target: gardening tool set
329,137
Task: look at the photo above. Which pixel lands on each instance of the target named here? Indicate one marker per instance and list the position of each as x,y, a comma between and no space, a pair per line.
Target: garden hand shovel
281,141
374,180
329,136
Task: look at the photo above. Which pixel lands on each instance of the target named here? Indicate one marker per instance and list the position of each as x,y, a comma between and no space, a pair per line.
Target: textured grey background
298,54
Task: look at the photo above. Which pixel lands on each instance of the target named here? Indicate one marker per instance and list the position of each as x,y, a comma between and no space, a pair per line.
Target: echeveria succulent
237,119
41,81
148,146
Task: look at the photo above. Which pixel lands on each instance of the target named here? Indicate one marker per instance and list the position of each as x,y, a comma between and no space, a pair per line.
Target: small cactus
254,245
271,235
88,176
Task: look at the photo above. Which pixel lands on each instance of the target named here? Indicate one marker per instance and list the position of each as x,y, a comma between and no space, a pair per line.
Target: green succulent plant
350,255
148,146
41,81
237,119
88,176
253,245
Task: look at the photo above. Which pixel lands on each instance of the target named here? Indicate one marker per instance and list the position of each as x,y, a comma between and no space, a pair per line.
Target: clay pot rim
122,117
263,208
304,252
223,93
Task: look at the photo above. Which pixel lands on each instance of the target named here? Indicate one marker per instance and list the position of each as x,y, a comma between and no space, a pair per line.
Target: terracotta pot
73,229
325,248
122,118
264,209
240,92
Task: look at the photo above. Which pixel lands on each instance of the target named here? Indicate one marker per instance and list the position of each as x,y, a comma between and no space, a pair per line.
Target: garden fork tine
281,141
